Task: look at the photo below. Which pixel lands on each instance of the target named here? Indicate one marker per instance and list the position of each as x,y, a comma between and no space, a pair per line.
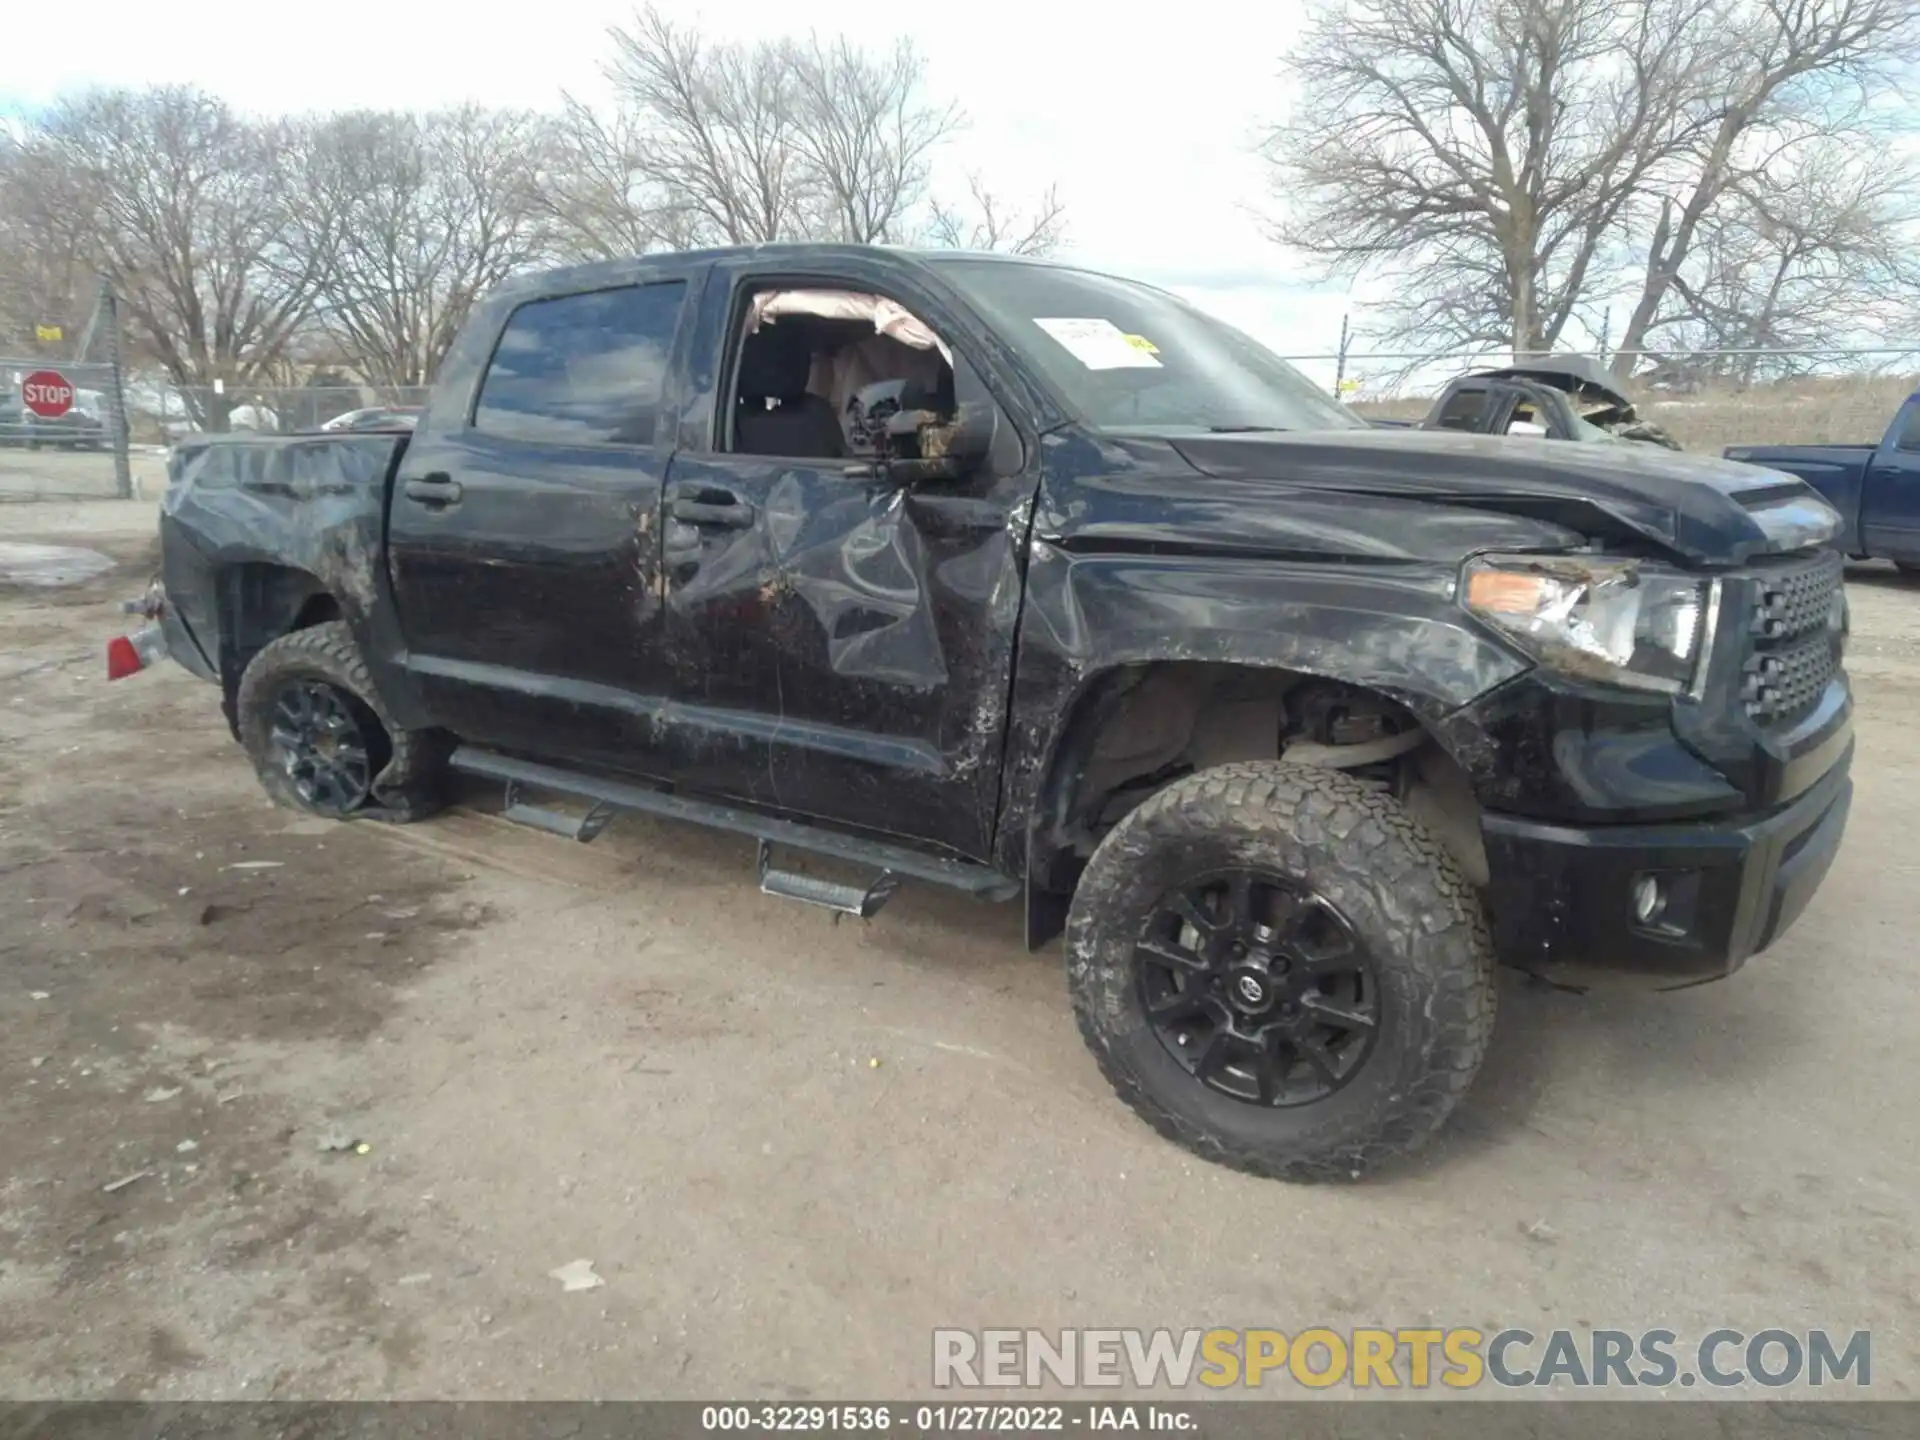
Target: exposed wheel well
258,604
318,610
1141,727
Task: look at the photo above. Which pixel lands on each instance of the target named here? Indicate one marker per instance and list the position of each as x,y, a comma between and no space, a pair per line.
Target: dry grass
1822,411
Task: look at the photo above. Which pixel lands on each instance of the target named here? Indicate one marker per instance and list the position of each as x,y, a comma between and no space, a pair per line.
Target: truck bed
305,514
1780,456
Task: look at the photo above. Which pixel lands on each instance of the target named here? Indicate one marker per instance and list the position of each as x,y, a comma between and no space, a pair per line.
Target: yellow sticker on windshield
1141,342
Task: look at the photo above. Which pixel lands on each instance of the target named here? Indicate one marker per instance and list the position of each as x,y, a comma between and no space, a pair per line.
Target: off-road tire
410,786
1405,898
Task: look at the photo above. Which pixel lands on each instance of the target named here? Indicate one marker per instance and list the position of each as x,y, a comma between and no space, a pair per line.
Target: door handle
435,489
736,514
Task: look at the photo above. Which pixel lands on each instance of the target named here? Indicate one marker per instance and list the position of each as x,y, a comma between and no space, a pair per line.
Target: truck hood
1701,509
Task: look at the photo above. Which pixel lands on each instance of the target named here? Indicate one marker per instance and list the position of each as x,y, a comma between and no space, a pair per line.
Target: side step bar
608,797
828,894
583,828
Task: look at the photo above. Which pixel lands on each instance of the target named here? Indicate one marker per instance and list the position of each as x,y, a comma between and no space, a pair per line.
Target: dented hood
1702,509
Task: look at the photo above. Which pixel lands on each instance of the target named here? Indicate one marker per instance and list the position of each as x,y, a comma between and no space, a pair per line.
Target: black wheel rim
1259,987
323,744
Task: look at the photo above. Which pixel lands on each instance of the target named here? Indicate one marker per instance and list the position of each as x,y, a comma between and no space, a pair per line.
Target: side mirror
1527,427
949,447
912,442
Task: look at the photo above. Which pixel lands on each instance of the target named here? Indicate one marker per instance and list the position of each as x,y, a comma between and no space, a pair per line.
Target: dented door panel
847,656
848,653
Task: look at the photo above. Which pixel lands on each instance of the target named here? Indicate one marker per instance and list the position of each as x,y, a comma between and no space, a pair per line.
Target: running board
584,828
608,797
827,894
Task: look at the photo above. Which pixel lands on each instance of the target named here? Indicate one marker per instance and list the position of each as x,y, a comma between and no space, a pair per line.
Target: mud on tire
408,766
1399,896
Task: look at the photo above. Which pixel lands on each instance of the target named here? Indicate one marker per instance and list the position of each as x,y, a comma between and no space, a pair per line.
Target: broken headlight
1620,622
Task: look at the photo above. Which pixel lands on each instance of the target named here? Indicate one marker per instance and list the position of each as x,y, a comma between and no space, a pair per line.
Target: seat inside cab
804,358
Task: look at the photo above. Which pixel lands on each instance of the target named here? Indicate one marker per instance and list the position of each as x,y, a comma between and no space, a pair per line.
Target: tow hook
152,605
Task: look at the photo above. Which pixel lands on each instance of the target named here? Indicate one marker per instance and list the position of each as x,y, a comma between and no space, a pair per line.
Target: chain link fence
1706,400
63,418
161,413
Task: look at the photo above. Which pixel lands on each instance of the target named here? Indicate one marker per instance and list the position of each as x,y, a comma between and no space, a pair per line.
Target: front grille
1790,603
1796,629
1782,685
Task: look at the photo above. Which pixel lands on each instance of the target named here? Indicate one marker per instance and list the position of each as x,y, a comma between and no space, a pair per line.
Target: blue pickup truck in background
1876,488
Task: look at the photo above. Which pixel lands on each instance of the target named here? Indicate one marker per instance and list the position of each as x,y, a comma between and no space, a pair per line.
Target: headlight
1617,621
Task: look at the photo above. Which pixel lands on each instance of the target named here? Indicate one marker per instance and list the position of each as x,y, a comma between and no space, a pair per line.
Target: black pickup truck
1044,585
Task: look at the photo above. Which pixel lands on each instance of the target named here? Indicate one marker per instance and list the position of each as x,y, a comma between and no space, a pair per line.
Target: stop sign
47,394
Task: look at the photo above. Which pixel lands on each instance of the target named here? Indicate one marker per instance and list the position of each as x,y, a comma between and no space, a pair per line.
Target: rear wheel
319,738
1279,968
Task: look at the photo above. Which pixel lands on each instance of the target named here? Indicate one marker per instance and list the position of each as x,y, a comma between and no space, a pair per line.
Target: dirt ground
623,1053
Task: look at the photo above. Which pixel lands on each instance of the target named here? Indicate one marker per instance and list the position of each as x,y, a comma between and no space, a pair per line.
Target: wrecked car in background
1047,586
1556,397
375,417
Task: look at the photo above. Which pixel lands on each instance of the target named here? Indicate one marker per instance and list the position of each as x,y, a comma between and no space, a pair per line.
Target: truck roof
618,270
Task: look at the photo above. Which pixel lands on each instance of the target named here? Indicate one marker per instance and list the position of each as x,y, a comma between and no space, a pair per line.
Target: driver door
840,646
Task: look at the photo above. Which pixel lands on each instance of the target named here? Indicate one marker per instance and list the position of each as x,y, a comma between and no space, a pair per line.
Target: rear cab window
1464,409
1909,436
583,369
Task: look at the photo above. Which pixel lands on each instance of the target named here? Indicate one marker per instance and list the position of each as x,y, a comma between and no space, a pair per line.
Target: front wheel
1279,968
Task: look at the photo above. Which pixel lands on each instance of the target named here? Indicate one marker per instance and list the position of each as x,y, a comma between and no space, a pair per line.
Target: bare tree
776,139
721,129
597,195
1792,257
252,251
188,203
416,218
48,262
866,133
989,223
1504,161
1788,73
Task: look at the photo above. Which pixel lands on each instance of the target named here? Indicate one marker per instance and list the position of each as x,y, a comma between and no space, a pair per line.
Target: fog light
1649,899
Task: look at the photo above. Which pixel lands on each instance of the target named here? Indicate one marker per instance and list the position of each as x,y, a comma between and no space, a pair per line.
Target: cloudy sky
1145,130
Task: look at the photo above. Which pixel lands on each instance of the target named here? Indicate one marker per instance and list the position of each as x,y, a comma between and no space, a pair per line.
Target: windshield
1128,357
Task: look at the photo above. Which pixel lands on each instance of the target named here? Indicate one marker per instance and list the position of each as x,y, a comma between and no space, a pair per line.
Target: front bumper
1563,898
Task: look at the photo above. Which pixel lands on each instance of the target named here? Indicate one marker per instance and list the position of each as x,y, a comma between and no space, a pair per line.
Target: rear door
1890,500
523,535
842,645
